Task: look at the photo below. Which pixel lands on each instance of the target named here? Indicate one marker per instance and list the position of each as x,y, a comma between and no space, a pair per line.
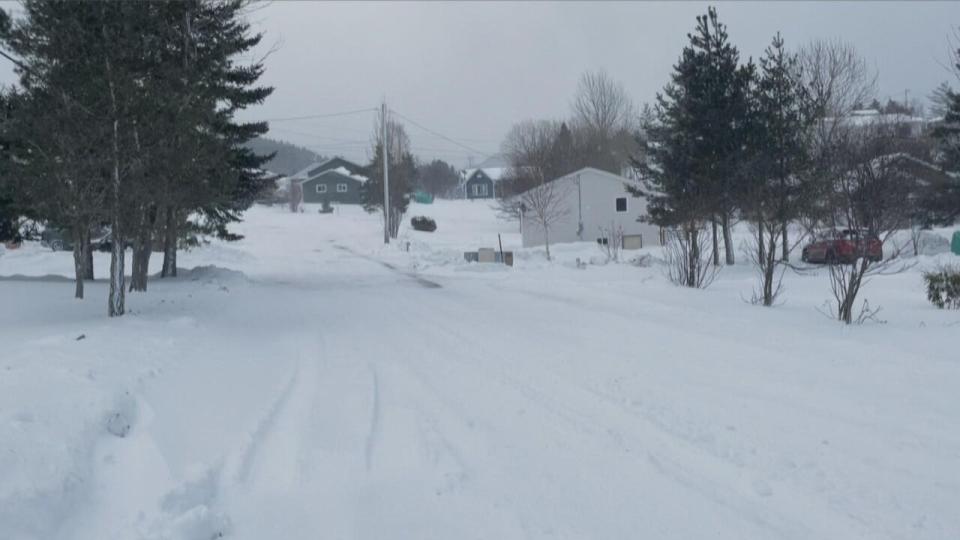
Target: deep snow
292,385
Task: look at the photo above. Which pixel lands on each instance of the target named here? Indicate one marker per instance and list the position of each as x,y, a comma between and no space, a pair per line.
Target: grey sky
470,70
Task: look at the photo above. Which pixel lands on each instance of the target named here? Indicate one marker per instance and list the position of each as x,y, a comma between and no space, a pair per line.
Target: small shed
593,205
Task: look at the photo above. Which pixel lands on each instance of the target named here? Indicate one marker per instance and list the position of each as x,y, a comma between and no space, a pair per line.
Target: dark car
60,239
843,247
56,239
105,243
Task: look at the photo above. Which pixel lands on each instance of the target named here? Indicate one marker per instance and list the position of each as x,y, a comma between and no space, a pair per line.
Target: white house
590,204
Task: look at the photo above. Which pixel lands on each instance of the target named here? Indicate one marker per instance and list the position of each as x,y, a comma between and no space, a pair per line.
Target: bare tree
607,119
602,104
838,78
402,170
687,263
545,205
868,200
528,147
611,241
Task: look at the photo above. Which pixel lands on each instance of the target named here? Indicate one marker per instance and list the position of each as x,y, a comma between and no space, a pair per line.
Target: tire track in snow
248,453
672,456
424,282
374,432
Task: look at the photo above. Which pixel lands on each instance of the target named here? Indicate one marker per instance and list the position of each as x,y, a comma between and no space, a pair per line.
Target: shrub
943,287
423,223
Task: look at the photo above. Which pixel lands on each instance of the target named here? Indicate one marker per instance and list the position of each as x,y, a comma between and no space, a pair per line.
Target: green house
335,180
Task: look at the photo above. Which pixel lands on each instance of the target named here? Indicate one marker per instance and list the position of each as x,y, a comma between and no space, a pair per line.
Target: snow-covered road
334,396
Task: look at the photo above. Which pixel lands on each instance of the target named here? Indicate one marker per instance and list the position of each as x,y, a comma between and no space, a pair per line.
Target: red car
844,247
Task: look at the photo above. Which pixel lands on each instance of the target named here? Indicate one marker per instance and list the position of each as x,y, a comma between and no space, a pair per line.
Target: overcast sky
470,70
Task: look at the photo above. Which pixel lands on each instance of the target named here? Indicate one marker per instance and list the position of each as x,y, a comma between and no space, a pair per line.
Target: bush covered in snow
943,287
423,223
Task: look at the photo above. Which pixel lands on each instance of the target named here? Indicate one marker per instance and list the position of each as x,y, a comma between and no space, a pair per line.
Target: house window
479,190
321,188
621,204
341,188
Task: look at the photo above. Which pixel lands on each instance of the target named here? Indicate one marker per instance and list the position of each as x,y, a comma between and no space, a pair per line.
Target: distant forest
289,158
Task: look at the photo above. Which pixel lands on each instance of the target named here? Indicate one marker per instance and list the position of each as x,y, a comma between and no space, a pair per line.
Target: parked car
56,239
61,239
843,247
105,243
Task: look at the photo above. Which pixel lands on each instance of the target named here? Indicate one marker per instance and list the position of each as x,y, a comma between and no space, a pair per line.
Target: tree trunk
770,265
727,239
79,265
139,275
785,247
760,255
716,242
170,235
134,259
857,270
142,249
116,300
546,240
693,260
87,255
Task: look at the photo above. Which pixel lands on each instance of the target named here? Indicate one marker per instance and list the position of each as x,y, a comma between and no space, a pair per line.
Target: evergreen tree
784,114
438,178
940,100
695,147
132,105
947,136
780,117
208,87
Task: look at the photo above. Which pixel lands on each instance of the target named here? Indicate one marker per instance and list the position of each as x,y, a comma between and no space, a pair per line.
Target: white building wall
590,198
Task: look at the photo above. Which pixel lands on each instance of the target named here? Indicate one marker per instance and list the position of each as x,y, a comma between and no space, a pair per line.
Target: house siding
330,180
481,182
595,205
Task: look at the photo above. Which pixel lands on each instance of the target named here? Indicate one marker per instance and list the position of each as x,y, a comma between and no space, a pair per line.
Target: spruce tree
779,119
784,113
698,138
946,206
137,105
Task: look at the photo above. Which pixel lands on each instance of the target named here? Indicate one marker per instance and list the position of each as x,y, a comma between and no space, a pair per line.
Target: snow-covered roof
602,174
867,117
346,172
598,173
304,174
494,173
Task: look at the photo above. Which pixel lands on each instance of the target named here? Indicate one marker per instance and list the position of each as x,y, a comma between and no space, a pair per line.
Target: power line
321,137
442,136
313,116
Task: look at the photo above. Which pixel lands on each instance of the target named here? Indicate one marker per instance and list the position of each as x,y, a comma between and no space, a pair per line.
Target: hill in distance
289,158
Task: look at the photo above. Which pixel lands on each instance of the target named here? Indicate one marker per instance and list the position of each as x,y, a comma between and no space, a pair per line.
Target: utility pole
386,175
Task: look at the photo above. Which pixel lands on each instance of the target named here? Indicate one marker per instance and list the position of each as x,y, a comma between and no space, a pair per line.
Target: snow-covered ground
308,382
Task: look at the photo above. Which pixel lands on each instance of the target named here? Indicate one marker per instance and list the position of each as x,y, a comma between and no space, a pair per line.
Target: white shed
591,204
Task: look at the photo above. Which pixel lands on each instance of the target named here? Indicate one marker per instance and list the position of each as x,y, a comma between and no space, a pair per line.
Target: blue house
335,180
481,183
